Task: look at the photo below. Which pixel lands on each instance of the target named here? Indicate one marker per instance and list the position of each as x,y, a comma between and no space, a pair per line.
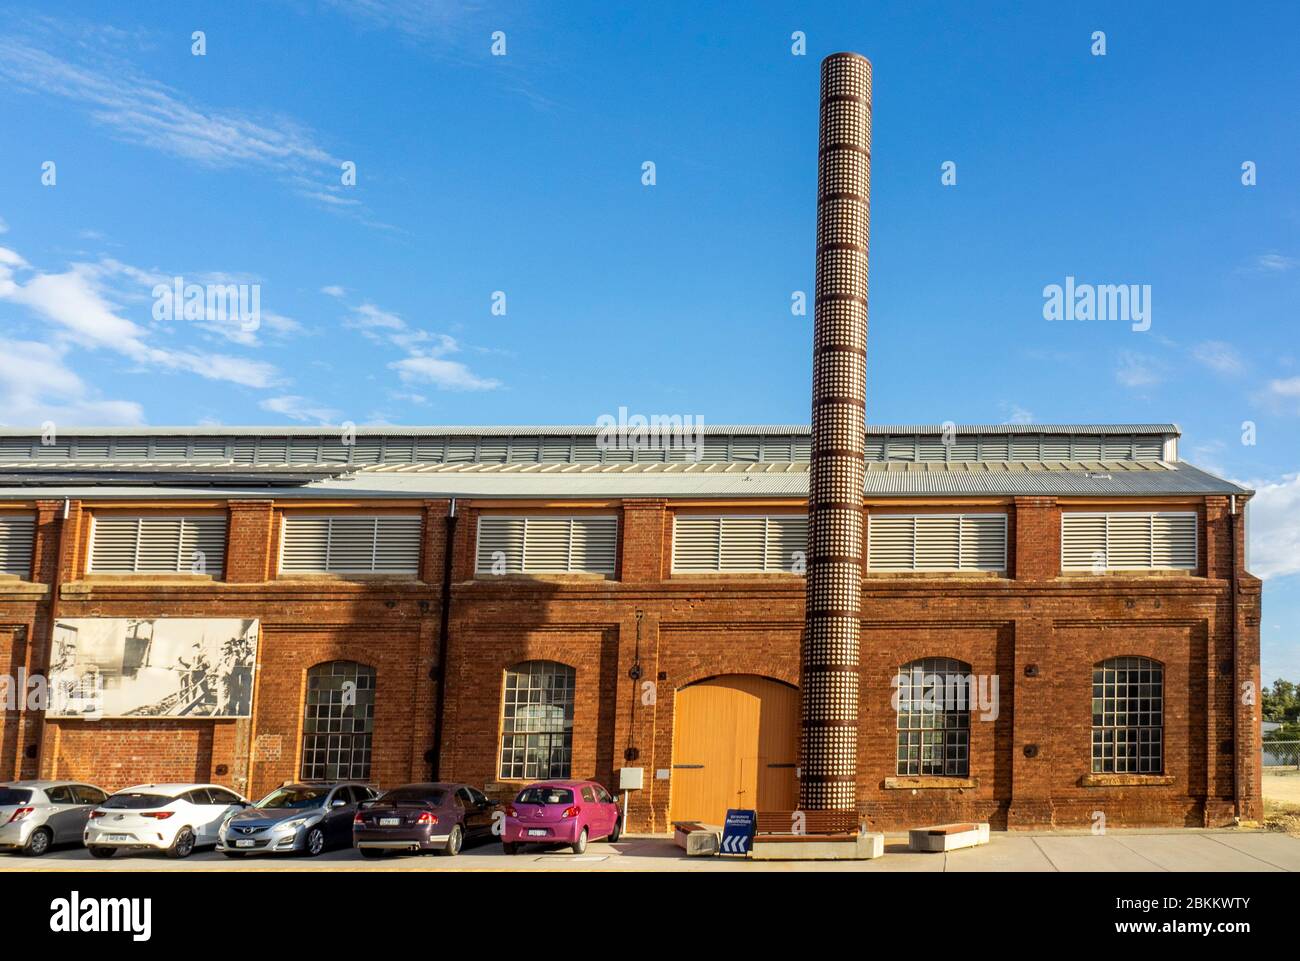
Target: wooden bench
780,825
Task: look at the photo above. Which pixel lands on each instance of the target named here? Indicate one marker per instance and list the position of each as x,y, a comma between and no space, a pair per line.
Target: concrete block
813,847
948,837
697,843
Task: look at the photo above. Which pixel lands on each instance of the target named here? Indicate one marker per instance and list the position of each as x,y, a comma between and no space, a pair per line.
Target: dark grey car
37,814
295,818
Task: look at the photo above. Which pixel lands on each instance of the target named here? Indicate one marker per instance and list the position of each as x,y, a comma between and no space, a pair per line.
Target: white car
175,818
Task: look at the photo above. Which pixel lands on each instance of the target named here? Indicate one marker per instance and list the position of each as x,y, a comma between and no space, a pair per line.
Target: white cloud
426,361
418,19
1276,263
4,227
1135,370
370,317
140,110
300,409
36,385
443,374
1017,414
84,316
333,290
1275,527
1219,356
1281,395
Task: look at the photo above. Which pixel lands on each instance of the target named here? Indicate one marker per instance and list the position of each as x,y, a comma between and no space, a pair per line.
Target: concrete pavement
1115,851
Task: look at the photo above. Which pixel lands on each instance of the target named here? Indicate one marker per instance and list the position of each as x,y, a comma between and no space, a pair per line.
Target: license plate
244,844
389,822
119,837
537,833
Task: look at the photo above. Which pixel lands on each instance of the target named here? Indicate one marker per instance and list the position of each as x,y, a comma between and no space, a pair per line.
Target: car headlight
296,823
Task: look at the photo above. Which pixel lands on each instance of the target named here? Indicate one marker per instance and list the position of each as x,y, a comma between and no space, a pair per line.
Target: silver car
36,814
295,818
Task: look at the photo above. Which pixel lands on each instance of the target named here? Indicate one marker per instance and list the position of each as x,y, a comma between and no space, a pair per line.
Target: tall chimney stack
829,668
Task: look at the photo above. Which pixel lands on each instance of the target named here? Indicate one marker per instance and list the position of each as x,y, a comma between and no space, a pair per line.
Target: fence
1281,754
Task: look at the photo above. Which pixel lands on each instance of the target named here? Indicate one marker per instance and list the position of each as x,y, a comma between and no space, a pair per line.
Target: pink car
561,812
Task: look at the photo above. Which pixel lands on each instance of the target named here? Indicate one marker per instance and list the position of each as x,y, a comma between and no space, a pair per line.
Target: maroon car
561,812
423,817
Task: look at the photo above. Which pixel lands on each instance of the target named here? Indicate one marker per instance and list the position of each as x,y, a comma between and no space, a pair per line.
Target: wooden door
735,741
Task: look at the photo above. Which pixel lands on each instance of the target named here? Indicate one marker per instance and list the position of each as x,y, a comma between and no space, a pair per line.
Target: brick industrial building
1048,624
633,608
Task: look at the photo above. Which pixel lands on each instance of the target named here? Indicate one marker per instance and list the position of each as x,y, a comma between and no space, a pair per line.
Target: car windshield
545,795
413,796
13,795
138,802
297,797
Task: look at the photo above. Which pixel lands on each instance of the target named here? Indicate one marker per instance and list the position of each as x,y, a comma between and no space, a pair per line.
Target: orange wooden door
735,740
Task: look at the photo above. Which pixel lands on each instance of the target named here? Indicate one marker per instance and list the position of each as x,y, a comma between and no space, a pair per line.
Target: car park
175,818
561,812
295,818
36,815
424,817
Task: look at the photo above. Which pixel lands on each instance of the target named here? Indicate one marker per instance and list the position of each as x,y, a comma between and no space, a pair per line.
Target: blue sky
523,174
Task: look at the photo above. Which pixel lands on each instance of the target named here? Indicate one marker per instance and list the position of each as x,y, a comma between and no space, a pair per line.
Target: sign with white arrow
738,832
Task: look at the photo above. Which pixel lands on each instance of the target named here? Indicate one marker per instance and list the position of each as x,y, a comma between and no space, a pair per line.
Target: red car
561,812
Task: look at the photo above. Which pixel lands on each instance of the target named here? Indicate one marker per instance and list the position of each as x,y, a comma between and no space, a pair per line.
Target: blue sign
738,831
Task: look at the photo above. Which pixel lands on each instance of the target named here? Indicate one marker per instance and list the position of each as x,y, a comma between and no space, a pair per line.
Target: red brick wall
689,628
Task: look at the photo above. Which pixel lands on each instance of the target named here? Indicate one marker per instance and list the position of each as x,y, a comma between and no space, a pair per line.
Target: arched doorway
735,744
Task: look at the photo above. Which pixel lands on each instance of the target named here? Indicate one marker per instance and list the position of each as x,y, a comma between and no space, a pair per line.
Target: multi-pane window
545,544
934,717
351,544
17,532
338,722
1128,716
1128,540
740,543
157,544
537,721
937,542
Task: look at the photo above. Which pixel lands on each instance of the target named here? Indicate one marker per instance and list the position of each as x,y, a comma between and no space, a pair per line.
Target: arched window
934,698
537,721
338,722
1128,695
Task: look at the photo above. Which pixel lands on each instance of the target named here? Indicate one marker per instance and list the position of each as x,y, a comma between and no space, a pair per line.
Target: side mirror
338,802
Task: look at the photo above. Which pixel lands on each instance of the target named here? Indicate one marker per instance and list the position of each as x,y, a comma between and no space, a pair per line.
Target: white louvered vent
937,542
542,544
17,533
351,544
157,544
1128,541
739,543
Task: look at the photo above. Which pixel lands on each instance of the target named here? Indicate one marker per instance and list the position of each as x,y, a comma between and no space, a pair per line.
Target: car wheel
99,851
372,852
510,847
314,843
182,845
454,841
38,843
580,845
617,833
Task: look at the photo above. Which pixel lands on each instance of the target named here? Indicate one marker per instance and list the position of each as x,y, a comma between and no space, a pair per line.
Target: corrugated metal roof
702,480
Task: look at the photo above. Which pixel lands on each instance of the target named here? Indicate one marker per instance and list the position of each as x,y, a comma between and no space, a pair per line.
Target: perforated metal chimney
829,669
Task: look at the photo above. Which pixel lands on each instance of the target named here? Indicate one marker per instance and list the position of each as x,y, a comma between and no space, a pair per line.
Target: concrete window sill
930,782
1126,780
